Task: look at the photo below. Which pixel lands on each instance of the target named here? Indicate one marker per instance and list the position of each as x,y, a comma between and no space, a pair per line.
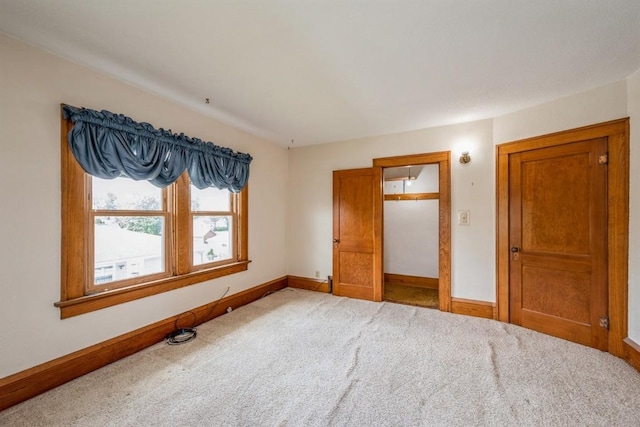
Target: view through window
129,222
213,225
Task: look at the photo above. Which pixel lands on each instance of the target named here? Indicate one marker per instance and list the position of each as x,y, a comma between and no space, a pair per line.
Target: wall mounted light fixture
465,157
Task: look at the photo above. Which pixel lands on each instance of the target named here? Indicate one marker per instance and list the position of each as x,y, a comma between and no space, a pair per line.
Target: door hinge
604,322
603,159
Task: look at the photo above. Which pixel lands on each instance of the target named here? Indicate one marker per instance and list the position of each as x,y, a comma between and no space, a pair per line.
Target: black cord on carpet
184,335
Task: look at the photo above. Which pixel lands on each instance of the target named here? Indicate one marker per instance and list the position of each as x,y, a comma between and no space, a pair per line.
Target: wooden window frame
75,240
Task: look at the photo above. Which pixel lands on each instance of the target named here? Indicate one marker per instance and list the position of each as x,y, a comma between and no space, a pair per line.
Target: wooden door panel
355,268
557,293
554,220
558,234
357,233
356,212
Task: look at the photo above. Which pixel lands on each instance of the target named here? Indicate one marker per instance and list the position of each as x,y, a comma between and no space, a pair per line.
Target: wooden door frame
617,134
443,160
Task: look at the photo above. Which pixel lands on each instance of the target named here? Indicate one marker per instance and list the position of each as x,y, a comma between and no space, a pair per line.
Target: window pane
128,247
125,193
212,239
210,199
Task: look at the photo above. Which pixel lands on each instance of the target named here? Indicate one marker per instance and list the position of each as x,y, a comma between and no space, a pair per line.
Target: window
128,242
124,239
214,233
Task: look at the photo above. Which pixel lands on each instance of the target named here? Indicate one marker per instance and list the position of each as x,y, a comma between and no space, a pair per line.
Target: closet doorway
417,229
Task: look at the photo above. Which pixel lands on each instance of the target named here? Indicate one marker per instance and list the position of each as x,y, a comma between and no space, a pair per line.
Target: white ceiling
316,71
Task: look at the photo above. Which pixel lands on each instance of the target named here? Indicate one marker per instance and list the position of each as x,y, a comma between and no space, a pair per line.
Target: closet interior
411,237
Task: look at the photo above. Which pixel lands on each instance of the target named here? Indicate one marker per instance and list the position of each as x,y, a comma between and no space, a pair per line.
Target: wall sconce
465,158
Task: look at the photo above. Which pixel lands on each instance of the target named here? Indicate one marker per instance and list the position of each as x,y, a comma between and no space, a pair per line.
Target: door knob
336,240
515,249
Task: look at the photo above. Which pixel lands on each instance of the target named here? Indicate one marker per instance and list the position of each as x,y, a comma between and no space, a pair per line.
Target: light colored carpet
301,358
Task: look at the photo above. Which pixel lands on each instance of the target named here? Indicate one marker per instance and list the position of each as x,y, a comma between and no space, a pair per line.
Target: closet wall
411,226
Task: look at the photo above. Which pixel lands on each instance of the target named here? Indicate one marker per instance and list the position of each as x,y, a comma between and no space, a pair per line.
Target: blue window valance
108,145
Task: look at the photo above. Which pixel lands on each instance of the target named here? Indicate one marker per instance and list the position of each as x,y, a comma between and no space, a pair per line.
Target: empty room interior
320,213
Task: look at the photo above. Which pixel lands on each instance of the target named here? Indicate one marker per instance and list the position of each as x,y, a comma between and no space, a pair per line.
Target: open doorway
411,235
422,184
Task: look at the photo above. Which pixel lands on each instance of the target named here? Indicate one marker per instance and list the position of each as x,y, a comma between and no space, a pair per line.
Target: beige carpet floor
411,295
302,358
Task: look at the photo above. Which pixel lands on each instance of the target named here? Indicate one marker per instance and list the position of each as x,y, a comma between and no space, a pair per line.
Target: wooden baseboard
415,281
318,285
469,307
33,381
632,352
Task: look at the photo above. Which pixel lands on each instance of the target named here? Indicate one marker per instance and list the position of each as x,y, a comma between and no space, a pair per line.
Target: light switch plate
464,217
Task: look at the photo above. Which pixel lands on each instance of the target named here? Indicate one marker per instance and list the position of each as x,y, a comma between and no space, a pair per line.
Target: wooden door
357,233
558,239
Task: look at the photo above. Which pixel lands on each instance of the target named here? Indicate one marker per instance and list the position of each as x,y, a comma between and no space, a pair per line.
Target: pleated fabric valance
108,145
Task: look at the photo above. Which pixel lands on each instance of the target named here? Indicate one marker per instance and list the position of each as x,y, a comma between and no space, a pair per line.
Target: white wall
310,199
595,106
633,99
32,86
411,237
